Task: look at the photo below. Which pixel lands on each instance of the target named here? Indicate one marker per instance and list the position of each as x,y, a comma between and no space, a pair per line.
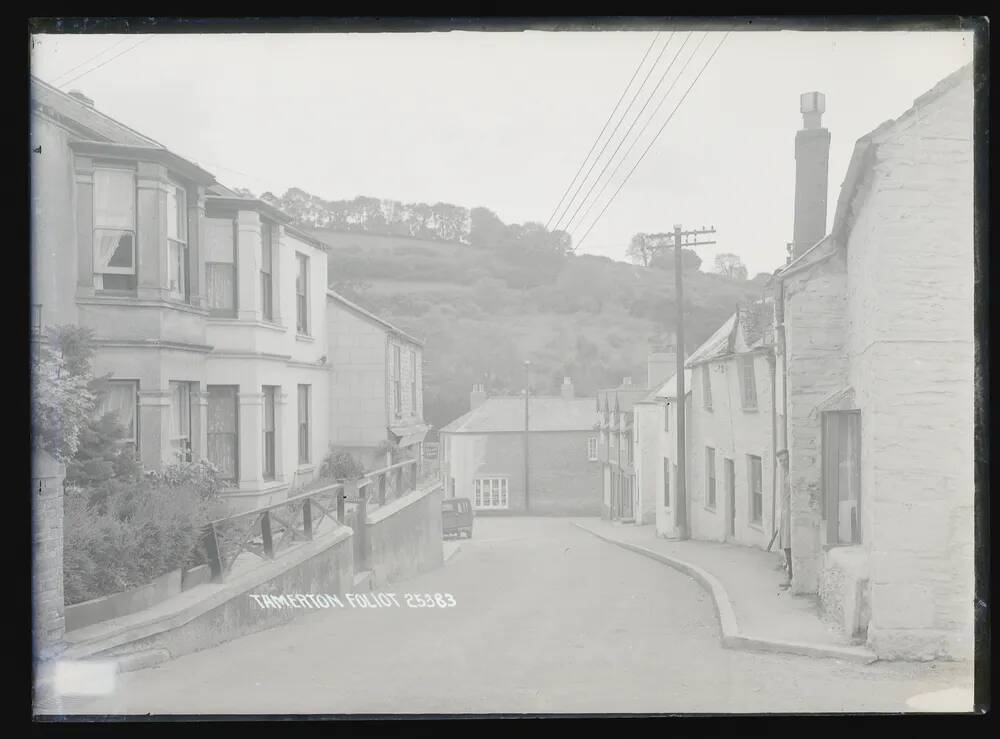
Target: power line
631,126
643,130
603,129
107,61
88,60
653,141
613,132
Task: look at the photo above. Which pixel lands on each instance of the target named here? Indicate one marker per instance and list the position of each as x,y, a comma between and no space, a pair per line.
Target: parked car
456,517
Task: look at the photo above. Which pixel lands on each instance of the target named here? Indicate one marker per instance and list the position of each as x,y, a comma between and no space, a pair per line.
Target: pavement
544,618
747,584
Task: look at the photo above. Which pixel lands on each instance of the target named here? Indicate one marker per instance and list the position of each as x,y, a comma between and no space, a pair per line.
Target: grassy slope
592,318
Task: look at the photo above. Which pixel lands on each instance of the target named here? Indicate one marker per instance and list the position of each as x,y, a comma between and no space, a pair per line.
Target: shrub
340,465
124,533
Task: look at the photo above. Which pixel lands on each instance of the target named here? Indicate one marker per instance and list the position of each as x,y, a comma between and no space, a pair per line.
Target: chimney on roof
89,102
812,164
626,381
477,397
567,389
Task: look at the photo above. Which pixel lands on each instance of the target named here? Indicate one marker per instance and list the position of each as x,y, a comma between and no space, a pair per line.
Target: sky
504,120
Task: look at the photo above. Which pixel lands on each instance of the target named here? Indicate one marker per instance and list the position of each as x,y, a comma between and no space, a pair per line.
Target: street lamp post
527,386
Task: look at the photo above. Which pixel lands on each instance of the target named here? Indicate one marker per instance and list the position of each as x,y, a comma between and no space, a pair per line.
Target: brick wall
562,481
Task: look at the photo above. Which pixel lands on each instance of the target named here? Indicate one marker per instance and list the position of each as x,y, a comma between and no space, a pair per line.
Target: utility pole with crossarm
682,239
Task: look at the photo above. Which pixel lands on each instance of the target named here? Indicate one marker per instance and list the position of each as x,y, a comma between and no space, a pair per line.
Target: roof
86,121
357,309
545,413
750,327
717,345
668,390
98,133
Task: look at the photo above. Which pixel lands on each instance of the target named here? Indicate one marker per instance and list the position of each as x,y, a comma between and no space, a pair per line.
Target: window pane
176,214
119,399
223,436
114,199
113,252
219,240
221,286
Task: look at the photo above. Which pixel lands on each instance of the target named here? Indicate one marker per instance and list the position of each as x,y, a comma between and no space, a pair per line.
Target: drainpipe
771,365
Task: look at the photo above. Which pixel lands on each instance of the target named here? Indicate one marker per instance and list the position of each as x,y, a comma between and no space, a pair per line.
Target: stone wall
816,365
562,480
911,345
404,537
47,540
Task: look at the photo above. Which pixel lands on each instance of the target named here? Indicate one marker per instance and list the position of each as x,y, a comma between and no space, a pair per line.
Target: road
547,619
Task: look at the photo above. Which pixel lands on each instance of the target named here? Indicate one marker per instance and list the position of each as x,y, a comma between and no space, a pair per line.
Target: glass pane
119,399
265,253
219,240
222,453
221,409
269,409
114,199
221,286
175,211
113,252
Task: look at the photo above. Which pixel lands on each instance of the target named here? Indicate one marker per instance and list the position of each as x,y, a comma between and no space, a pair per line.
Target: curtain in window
222,429
220,286
119,399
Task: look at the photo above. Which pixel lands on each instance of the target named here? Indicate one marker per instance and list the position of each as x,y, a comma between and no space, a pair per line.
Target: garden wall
404,537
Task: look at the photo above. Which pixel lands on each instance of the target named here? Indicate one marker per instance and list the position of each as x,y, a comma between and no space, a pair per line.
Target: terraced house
733,431
209,308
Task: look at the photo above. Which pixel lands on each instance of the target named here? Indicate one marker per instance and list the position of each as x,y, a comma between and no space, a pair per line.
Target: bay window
397,388
114,229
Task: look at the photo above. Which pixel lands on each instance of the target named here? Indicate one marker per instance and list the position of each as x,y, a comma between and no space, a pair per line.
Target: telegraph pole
681,239
527,382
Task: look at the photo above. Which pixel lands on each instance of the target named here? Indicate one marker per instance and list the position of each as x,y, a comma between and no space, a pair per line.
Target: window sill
750,410
306,467
756,526
710,508
304,338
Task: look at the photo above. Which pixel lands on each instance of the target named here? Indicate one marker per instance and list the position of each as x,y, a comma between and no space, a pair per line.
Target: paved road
547,619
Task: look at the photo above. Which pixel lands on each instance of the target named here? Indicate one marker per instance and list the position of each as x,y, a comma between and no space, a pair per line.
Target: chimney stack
626,381
812,163
477,397
82,98
567,389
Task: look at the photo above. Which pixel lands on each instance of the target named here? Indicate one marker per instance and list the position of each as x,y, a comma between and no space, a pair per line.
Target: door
842,476
730,472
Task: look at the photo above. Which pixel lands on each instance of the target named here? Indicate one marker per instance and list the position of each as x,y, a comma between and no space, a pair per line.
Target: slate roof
717,345
86,121
668,389
545,413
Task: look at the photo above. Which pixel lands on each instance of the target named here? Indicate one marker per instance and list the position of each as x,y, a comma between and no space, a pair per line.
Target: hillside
484,311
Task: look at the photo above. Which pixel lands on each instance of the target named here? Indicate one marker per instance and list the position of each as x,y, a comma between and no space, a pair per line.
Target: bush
340,465
124,533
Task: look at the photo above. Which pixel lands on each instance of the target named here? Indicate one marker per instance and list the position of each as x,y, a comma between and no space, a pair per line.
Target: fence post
341,494
307,520
212,552
383,481
265,534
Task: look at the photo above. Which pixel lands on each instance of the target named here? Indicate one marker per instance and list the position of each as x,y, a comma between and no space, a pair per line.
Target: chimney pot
566,391
82,98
